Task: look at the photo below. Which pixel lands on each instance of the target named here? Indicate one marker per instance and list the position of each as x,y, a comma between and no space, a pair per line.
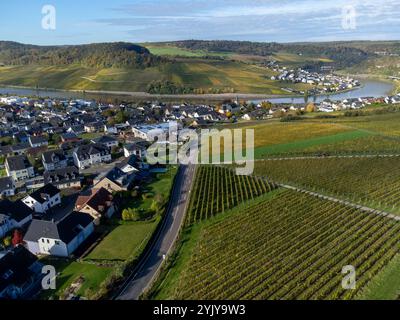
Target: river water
370,88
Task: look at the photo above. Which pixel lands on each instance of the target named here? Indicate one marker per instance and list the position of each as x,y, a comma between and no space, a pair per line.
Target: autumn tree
17,238
311,107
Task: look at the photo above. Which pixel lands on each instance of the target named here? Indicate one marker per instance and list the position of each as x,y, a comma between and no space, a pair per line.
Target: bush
132,214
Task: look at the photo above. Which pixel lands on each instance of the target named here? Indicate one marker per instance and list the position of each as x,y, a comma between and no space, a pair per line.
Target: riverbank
375,88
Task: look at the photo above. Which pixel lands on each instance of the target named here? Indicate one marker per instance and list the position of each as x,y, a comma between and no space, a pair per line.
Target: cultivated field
196,73
218,189
285,245
369,181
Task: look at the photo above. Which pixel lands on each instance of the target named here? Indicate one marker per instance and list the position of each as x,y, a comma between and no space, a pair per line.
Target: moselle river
370,88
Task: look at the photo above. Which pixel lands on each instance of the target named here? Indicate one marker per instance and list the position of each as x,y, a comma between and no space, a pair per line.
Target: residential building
20,148
43,199
108,141
69,137
60,238
54,159
38,141
63,178
7,187
137,148
20,274
96,202
94,127
13,215
19,168
114,180
91,154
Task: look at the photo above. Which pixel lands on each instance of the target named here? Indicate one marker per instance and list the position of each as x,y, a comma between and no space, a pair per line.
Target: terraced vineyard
217,189
286,245
370,181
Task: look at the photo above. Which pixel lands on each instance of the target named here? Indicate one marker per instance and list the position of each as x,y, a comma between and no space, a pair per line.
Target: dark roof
67,174
20,146
78,128
54,156
131,160
38,139
69,136
64,230
96,124
6,183
15,267
84,151
98,199
41,194
18,163
5,150
105,139
15,210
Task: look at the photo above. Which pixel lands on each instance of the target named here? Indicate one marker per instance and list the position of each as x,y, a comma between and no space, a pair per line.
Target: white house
91,154
19,168
54,159
36,142
13,215
151,132
43,199
7,187
137,148
108,141
60,238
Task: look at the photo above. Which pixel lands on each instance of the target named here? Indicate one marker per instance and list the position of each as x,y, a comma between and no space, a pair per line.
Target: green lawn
165,50
385,285
161,184
70,271
126,240
3,173
91,135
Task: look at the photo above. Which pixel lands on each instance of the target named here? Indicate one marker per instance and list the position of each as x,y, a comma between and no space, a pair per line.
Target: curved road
148,268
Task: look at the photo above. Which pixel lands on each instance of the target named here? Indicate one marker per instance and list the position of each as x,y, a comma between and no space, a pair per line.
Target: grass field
126,240
285,245
70,271
168,50
385,286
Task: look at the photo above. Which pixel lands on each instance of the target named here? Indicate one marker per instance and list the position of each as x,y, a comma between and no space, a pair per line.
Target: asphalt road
148,268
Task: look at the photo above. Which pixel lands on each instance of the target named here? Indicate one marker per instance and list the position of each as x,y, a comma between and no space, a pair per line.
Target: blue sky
86,21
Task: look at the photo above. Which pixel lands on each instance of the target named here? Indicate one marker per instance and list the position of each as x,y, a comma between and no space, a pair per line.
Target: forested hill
343,53
118,54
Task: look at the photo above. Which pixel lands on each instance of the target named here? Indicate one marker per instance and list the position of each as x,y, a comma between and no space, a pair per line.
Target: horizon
134,21
183,40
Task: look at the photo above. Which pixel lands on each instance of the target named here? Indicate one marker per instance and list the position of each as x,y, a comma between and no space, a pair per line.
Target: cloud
262,20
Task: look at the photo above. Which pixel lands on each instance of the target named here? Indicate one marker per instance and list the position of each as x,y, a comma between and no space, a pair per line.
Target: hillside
182,67
105,55
342,54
